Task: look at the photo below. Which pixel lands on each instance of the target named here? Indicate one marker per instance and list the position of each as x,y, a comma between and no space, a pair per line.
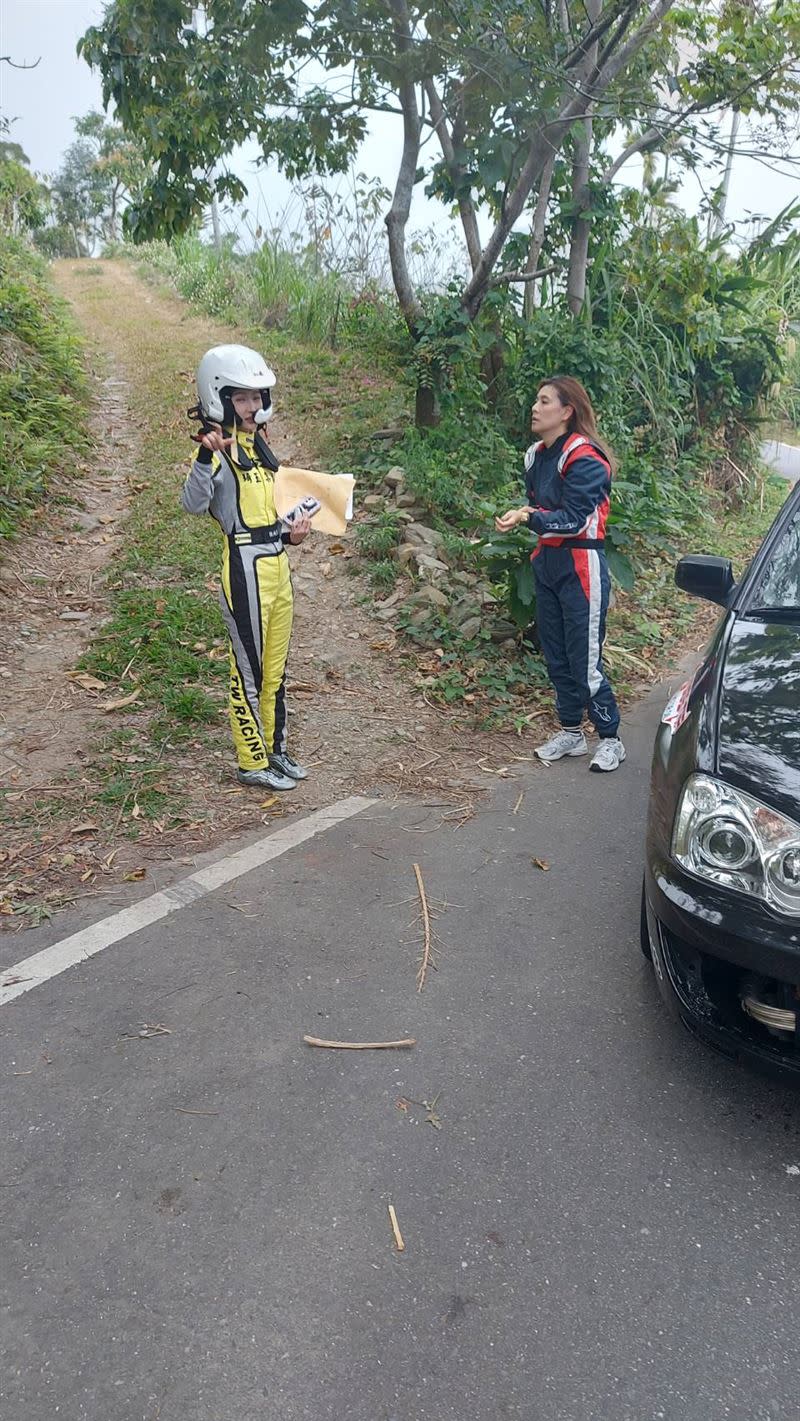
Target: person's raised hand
214,439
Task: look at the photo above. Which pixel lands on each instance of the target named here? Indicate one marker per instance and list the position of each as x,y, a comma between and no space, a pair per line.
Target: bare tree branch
550,138
513,278
466,207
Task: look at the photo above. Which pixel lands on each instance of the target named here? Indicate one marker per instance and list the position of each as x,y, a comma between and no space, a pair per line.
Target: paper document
334,491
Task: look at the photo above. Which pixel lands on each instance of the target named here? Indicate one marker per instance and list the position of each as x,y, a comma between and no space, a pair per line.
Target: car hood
759,713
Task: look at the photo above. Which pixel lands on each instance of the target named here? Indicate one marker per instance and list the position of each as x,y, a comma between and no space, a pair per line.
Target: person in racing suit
568,483
232,479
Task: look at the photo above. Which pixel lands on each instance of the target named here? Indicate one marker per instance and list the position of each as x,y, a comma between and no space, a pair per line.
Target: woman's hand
512,519
300,529
214,439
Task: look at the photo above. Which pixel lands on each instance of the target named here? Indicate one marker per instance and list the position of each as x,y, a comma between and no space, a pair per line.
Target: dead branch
426,925
359,1045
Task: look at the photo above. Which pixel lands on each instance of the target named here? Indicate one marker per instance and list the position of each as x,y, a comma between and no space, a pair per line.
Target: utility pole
716,224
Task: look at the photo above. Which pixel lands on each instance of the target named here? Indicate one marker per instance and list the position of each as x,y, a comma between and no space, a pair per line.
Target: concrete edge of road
80,946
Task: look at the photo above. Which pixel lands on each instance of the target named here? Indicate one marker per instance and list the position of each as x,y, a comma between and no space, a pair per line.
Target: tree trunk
538,227
426,413
466,207
579,242
397,216
581,227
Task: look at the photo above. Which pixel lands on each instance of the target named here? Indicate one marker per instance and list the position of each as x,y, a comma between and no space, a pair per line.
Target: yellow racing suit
256,592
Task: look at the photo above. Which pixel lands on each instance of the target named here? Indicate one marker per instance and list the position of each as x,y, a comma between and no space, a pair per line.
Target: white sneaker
609,755
265,779
564,742
285,765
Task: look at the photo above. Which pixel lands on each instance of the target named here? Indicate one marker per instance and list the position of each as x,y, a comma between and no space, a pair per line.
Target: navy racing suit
569,487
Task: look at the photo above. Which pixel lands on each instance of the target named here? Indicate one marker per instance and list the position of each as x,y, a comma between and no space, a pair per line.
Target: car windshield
778,587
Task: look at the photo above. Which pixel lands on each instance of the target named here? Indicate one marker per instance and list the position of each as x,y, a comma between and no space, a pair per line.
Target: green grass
43,397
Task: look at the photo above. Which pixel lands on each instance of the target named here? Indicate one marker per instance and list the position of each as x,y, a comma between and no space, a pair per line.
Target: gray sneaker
285,765
609,755
265,779
564,742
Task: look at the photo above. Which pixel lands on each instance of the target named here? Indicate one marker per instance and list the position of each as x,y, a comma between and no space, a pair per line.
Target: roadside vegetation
42,386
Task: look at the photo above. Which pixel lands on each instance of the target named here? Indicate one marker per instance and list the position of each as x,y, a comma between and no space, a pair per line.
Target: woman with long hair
568,485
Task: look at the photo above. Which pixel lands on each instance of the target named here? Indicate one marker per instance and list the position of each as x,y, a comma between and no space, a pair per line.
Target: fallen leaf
540,863
135,875
87,827
89,683
137,811
125,701
266,803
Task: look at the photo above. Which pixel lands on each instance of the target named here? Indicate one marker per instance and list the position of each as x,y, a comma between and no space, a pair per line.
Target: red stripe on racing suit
580,497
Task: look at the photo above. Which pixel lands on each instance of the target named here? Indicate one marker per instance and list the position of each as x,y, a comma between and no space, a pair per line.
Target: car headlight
727,836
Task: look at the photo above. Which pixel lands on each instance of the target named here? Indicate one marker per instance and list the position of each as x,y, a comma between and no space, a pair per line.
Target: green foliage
292,294
377,538
23,199
42,390
508,560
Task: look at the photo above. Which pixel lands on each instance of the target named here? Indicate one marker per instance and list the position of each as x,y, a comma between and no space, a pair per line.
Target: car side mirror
706,576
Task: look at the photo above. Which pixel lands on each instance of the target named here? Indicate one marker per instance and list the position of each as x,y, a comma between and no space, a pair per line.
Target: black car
721,895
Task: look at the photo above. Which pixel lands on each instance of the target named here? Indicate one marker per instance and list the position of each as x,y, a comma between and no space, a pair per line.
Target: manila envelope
334,491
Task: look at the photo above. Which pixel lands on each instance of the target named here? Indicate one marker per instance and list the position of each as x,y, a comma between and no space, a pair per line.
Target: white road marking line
80,946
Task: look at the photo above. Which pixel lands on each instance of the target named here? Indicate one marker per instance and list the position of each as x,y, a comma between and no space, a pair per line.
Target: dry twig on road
359,1045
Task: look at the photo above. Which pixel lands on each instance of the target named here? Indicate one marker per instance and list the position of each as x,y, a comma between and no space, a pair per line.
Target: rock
419,532
462,610
373,500
404,552
502,631
427,597
509,645
395,478
430,568
391,601
406,500
405,517
470,628
75,616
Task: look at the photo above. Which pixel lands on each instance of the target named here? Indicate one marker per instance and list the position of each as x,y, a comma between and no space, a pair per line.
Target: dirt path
354,718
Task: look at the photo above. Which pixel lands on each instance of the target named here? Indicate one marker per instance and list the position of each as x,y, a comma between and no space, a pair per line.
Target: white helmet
234,367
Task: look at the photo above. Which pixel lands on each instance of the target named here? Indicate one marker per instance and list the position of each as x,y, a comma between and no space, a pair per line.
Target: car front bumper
703,950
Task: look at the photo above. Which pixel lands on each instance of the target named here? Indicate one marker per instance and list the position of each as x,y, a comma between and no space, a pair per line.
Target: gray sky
42,102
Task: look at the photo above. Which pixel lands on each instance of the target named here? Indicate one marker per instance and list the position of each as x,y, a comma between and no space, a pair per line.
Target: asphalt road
598,1231
783,458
